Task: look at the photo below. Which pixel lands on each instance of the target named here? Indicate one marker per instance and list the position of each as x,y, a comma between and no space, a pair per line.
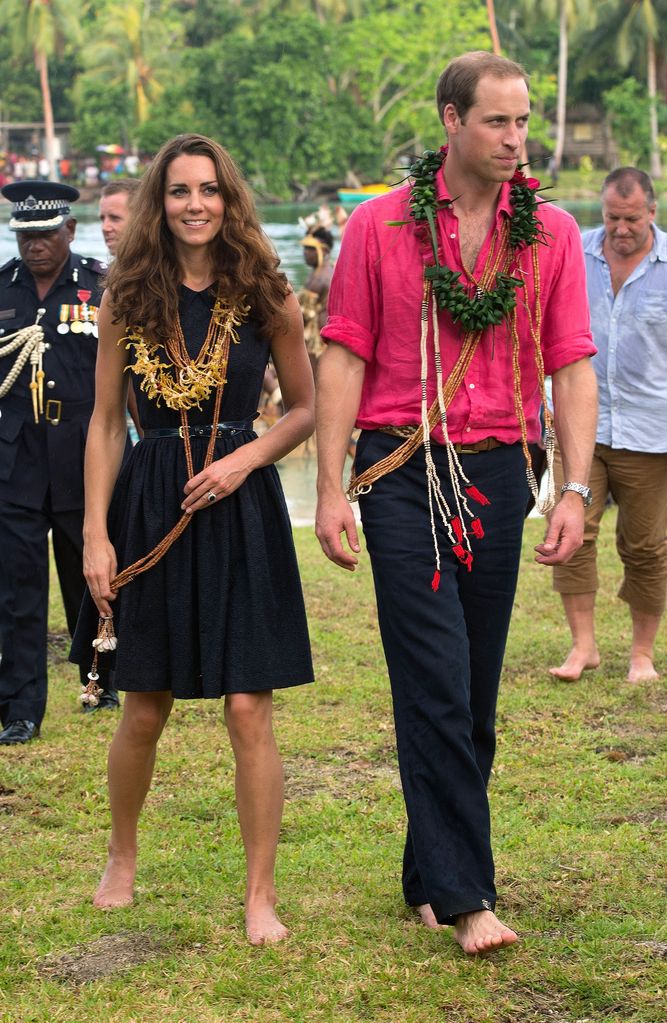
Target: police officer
49,299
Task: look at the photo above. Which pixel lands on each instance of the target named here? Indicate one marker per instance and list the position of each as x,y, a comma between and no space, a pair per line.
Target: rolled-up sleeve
355,295
566,328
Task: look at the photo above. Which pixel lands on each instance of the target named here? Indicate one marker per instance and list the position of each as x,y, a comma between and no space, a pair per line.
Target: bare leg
482,932
580,613
427,917
131,762
259,800
644,630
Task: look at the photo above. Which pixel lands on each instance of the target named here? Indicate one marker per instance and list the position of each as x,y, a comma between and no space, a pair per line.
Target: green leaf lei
483,308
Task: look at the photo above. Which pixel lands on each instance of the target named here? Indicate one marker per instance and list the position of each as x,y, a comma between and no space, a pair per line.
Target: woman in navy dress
194,306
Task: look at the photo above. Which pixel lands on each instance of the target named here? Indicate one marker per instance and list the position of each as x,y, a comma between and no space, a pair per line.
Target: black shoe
108,701
17,732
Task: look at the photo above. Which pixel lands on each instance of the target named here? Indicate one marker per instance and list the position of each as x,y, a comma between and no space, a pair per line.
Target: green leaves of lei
483,308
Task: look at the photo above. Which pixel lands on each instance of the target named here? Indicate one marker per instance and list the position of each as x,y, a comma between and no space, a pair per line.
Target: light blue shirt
630,333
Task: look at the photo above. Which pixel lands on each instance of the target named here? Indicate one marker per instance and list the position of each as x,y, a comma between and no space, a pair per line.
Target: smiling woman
210,602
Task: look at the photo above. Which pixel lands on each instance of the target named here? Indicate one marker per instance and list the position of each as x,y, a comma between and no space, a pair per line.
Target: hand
222,478
99,568
334,516
565,532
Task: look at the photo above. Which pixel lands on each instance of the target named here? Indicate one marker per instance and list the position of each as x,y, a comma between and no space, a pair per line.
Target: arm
104,454
340,376
575,408
295,376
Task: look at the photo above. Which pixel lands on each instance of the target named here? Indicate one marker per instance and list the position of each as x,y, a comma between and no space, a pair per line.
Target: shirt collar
503,205
594,240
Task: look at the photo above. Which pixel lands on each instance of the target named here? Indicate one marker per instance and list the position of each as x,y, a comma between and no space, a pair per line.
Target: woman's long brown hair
143,281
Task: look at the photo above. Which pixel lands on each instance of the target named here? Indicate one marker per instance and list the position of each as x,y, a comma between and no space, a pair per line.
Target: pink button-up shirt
374,311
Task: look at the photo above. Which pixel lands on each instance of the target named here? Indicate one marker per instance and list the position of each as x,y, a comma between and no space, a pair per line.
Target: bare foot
576,662
262,924
427,917
116,888
482,932
641,669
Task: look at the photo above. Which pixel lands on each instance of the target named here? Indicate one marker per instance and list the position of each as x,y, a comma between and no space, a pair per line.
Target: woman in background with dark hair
194,306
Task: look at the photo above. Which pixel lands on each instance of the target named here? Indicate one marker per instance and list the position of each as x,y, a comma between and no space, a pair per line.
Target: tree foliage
305,91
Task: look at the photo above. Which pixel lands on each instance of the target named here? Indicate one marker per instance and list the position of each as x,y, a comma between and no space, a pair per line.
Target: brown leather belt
488,444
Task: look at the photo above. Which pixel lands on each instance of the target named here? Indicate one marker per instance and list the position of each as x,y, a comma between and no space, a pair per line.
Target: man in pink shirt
461,284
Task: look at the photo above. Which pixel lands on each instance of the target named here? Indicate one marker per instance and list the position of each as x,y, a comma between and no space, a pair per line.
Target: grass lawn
578,804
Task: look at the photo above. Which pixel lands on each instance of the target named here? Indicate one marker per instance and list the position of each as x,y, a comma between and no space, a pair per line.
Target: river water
281,223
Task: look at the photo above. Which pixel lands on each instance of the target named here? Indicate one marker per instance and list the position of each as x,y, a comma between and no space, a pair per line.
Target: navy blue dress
223,611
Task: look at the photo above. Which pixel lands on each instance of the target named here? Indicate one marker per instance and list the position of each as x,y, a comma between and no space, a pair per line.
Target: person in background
114,209
313,297
626,275
49,299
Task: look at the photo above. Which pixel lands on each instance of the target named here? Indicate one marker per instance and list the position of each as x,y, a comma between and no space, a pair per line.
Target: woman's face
193,205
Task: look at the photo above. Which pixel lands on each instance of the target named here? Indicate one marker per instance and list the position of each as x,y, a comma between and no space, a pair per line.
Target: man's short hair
129,185
458,82
625,179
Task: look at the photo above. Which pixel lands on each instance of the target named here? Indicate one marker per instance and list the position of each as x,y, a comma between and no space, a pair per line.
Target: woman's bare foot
262,924
641,669
427,917
576,662
116,888
481,932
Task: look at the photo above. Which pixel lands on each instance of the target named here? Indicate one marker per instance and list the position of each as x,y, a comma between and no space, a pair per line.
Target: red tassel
464,556
477,528
458,528
477,495
435,581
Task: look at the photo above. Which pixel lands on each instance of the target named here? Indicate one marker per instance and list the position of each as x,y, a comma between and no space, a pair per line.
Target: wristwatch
579,488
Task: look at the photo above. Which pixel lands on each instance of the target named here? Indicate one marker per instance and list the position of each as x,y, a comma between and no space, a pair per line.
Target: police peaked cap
39,205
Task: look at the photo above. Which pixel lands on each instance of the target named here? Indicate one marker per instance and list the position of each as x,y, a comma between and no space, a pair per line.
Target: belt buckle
181,434
54,419
469,451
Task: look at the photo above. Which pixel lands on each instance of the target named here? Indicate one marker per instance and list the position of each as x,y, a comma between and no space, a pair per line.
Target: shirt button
51,384
472,387
468,428
452,235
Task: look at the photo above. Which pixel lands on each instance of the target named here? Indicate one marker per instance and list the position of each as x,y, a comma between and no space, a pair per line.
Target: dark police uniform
41,472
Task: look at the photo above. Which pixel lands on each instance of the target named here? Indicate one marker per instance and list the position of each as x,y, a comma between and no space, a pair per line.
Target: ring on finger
211,497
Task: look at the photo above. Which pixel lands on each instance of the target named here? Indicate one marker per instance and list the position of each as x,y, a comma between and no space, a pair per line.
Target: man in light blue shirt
626,271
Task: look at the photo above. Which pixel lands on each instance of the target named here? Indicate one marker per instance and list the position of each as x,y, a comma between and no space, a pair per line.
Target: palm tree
493,27
572,14
645,20
633,33
134,47
42,26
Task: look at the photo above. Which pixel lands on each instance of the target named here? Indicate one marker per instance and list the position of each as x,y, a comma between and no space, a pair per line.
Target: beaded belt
220,429
488,444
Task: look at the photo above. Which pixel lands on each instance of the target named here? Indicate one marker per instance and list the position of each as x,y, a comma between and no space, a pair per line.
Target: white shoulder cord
29,342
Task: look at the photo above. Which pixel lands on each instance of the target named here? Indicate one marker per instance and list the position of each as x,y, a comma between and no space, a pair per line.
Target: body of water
281,223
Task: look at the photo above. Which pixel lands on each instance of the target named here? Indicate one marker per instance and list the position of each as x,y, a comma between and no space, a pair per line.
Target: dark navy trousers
444,653
24,601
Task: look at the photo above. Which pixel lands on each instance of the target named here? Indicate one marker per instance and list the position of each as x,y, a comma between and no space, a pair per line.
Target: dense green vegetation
303,91
578,807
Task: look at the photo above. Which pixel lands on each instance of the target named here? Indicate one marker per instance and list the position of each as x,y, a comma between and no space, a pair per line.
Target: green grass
578,807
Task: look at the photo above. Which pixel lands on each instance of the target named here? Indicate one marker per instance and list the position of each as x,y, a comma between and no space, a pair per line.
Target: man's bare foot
116,888
482,932
262,924
427,917
576,662
641,669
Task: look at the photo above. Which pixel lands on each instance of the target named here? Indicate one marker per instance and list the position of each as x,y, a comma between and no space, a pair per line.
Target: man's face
310,255
627,222
114,211
46,252
488,140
